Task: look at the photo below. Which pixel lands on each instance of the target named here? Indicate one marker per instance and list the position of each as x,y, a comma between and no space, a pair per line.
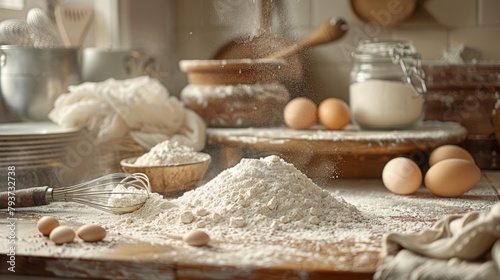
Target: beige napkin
140,107
457,247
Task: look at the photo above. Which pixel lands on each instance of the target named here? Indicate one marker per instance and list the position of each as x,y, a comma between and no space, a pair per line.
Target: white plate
4,150
34,129
32,165
30,152
33,143
28,158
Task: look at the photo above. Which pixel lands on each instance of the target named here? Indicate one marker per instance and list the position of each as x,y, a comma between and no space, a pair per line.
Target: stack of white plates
35,144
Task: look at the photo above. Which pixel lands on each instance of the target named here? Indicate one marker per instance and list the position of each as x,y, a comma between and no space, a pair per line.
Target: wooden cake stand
328,154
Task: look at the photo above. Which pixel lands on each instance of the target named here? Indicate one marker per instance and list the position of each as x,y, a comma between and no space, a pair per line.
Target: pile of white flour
258,195
265,194
169,153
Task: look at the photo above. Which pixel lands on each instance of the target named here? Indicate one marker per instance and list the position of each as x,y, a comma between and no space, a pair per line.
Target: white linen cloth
462,247
140,107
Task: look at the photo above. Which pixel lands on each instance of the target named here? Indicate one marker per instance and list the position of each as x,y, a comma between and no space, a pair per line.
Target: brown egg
447,152
452,177
91,233
46,224
196,237
402,176
62,234
333,113
300,113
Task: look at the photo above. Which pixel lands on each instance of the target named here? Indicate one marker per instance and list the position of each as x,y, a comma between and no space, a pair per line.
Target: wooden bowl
380,12
233,71
170,180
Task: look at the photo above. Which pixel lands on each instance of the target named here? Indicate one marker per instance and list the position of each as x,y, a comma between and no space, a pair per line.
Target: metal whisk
116,193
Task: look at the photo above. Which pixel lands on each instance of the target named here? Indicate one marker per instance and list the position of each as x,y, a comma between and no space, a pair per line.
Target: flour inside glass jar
385,104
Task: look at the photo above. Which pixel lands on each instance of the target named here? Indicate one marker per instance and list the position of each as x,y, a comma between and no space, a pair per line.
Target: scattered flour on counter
259,212
169,153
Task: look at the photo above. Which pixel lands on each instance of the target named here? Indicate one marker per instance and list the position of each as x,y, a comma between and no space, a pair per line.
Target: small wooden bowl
170,180
233,71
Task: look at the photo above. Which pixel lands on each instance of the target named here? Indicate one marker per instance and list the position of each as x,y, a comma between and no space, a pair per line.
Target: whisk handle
24,198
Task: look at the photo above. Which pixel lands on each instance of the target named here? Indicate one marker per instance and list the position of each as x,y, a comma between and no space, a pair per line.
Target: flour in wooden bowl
169,153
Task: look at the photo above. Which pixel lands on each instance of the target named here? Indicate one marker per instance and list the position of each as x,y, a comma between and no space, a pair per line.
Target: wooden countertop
37,256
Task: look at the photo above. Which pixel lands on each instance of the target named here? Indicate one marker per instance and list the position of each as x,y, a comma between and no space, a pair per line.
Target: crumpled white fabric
465,247
140,107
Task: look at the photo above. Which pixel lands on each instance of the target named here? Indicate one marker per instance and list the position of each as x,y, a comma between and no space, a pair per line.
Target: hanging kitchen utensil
383,12
44,32
15,32
73,23
329,31
256,45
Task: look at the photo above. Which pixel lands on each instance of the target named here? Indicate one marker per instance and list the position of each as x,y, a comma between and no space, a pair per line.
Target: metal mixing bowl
32,78
170,180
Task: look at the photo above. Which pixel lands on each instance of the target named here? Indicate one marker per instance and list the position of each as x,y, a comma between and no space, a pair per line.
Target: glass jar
387,87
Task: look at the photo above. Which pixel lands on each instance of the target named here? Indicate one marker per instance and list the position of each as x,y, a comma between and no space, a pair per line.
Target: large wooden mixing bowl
233,71
236,92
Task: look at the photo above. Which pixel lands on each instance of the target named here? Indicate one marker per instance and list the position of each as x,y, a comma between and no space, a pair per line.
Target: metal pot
32,78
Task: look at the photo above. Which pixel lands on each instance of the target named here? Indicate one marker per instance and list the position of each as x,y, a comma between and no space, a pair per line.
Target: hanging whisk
116,193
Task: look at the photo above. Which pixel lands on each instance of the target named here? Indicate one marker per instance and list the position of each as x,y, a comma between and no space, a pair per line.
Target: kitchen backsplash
195,29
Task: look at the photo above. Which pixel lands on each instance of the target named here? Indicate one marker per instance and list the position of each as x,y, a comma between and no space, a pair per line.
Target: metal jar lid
400,53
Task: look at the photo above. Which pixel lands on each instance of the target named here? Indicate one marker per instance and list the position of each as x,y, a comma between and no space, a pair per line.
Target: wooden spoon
73,23
329,31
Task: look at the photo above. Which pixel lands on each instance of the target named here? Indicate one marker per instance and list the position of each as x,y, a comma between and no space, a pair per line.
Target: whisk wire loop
116,193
